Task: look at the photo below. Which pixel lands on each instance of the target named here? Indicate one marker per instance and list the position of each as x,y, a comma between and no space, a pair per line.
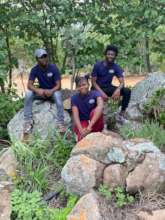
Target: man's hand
116,94
48,92
40,92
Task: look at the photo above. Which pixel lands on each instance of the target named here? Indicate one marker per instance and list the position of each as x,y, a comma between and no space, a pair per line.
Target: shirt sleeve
57,75
32,75
97,94
119,72
95,71
73,101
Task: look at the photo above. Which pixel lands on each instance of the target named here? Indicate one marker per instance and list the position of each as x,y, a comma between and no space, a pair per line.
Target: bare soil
66,82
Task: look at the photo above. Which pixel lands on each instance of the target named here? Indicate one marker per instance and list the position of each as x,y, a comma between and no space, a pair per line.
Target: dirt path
21,84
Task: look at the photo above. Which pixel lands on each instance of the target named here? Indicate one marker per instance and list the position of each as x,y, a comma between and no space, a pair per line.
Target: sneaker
61,128
121,119
27,128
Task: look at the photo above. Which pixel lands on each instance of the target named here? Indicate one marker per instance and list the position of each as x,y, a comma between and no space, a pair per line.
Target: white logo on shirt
91,101
111,71
50,74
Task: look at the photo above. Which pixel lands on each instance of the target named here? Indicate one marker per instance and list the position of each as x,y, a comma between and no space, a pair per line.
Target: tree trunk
147,55
64,63
73,71
2,86
9,59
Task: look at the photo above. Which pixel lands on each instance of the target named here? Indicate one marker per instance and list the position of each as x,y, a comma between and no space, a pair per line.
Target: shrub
29,206
9,105
149,130
111,109
154,109
118,195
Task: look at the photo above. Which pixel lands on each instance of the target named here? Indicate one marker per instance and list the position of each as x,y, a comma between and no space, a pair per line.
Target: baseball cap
40,52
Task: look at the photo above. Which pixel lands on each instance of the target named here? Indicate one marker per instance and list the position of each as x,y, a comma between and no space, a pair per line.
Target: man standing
102,76
49,81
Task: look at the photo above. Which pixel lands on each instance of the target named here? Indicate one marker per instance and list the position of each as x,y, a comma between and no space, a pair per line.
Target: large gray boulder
45,121
7,172
8,162
136,164
142,93
148,175
81,174
90,207
99,146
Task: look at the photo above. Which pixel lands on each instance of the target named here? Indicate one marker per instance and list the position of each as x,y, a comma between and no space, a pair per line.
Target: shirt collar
107,64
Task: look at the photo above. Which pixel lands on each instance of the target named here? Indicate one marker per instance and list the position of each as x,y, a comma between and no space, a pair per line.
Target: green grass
149,130
38,160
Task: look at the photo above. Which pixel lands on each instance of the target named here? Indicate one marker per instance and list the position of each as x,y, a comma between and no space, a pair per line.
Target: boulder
6,187
115,175
140,145
45,121
112,134
136,164
142,92
90,207
8,162
153,215
116,155
148,175
97,146
136,150
5,205
81,174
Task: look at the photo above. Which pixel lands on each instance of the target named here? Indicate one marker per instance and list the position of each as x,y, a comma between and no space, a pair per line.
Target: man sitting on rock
49,81
102,76
87,109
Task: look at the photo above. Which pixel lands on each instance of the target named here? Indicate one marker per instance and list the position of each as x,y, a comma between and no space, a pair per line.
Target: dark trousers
124,92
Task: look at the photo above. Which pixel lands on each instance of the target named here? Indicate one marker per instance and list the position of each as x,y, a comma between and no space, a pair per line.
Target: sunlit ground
66,82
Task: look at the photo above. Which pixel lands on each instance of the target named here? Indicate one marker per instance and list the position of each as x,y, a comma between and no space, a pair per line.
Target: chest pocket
49,75
92,103
111,71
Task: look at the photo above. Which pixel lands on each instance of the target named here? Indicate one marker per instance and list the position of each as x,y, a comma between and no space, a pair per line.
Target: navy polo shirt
47,78
85,103
105,73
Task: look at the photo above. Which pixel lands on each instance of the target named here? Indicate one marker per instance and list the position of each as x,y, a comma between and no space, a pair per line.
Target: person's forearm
32,88
57,87
98,112
77,123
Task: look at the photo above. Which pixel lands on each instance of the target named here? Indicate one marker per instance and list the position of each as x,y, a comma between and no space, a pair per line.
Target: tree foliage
75,32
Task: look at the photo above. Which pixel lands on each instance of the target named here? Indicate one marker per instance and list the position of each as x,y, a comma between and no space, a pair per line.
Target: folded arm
97,113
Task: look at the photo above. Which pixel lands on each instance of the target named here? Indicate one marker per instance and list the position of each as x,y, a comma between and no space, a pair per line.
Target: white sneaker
121,119
27,127
61,128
